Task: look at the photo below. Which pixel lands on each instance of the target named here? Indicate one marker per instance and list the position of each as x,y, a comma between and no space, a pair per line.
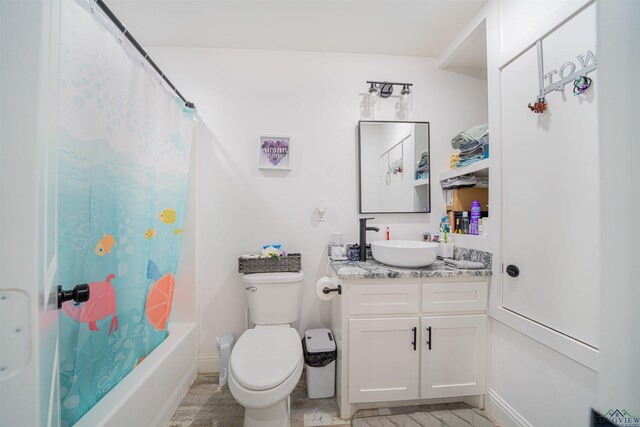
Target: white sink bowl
404,253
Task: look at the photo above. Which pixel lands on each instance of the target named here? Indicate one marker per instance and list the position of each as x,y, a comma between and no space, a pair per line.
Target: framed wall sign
275,152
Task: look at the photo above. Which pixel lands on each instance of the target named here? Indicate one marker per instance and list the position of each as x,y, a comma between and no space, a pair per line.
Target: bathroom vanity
409,336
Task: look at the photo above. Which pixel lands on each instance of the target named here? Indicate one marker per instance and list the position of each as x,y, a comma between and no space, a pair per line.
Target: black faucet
363,237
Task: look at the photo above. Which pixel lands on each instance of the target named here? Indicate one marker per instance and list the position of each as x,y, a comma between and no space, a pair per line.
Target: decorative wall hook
567,73
581,84
540,106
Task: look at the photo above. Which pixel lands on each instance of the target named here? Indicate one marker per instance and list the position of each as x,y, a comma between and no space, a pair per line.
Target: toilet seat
266,356
261,399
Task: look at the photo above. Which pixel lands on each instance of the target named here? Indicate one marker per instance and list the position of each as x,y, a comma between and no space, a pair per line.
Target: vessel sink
404,253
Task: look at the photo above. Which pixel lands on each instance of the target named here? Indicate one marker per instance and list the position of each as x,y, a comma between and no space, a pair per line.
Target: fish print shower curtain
123,160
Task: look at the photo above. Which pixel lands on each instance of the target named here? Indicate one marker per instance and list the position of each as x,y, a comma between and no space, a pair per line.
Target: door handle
429,337
415,333
79,294
252,289
513,270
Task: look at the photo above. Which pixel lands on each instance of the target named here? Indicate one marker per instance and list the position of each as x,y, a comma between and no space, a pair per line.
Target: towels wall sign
556,79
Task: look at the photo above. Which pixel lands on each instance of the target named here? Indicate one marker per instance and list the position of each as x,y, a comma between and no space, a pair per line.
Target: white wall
516,15
619,381
314,98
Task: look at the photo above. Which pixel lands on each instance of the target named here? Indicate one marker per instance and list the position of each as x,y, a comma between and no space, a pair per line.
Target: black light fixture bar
388,83
145,55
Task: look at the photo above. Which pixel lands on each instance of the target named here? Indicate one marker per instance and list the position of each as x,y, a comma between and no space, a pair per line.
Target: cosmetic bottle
452,223
475,217
465,222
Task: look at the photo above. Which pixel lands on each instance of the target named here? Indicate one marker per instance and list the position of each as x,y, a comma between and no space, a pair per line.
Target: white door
453,356
28,198
551,185
383,359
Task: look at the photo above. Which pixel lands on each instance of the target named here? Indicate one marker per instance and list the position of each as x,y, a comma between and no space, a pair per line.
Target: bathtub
149,395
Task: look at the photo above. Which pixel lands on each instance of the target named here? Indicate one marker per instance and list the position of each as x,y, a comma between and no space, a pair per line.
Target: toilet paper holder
327,290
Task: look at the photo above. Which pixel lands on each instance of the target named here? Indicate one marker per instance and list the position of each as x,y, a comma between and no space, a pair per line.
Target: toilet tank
273,298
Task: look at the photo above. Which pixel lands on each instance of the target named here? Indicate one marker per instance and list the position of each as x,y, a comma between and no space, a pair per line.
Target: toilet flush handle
252,289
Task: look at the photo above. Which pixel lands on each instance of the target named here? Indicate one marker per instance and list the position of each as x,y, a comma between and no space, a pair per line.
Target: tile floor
206,405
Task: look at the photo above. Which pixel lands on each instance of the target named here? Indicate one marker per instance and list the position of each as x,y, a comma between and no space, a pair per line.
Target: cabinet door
453,356
550,199
383,361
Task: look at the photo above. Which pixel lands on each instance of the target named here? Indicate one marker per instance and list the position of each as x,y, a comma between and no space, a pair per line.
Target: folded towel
424,158
469,154
469,135
472,145
467,162
455,158
463,264
468,180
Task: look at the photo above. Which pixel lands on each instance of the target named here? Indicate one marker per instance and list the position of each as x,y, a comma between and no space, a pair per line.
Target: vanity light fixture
379,89
385,89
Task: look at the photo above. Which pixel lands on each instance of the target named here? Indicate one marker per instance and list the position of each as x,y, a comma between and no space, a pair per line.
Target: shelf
467,53
481,168
421,182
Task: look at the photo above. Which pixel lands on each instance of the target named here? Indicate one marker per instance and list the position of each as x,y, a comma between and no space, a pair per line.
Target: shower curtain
124,143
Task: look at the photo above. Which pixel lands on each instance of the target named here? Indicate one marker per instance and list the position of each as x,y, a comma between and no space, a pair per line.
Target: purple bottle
475,216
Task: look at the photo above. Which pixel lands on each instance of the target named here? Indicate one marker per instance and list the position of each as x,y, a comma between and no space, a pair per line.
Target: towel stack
463,181
422,170
473,144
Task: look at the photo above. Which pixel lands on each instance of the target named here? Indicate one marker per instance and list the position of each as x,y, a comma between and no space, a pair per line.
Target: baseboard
208,364
506,416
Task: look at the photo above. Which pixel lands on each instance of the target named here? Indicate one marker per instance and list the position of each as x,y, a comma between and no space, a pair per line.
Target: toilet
266,362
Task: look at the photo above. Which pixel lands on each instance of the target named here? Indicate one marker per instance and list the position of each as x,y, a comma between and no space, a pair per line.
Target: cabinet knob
513,270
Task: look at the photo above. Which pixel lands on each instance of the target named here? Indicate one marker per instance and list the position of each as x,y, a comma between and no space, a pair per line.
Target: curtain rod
139,48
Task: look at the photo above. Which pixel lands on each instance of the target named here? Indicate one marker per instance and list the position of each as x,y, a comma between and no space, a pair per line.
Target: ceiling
387,27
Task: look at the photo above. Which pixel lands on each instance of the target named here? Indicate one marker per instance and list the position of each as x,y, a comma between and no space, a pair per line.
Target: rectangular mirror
394,167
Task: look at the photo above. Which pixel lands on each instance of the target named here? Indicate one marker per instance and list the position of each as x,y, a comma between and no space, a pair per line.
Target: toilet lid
266,356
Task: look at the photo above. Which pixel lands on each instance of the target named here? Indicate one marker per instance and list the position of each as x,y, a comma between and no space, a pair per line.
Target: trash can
320,360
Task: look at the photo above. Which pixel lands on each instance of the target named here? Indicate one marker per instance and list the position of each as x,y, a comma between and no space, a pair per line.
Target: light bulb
404,100
365,107
405,97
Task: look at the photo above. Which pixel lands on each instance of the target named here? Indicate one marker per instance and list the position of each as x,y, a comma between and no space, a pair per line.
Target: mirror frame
360,122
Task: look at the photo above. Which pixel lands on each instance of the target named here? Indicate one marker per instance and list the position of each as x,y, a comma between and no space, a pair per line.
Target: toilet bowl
266,363
265,367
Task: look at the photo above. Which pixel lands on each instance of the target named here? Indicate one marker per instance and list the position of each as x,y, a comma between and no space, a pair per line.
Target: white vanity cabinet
401,341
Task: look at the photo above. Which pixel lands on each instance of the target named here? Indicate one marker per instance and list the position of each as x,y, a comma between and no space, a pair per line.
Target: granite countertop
371,269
